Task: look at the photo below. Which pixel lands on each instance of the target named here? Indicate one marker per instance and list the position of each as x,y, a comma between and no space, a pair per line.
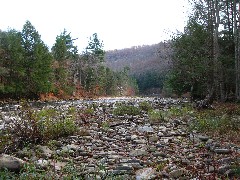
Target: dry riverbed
111,145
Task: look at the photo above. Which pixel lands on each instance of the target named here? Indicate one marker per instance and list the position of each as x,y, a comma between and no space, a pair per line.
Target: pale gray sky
118,23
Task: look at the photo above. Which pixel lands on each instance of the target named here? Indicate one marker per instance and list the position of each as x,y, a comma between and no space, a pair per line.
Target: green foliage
224,119
94,50
29,171
29,70
94,75
150,80
68,172
206,55
105,125
156,116
5,140
12,70
65,54
99,79
71,172
123,109
190,61
160,166
53,125
236,168
88,111
206,122
64,48
124,82
179,111
145,106
38,126
37,62
5,174
25,63
110,82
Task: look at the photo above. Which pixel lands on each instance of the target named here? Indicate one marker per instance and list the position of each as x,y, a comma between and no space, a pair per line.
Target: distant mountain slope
140,59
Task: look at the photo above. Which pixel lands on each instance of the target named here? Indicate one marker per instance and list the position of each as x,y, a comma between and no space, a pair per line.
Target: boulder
11,163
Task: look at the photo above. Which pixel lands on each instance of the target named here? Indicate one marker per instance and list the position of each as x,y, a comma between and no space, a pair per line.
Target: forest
203,61
148,64
207,54
29,69
71,115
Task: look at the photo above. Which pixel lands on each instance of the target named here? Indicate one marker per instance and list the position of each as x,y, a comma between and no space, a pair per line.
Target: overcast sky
118,23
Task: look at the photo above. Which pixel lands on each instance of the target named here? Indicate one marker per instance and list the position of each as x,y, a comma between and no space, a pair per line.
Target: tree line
148,64
206,56
28,69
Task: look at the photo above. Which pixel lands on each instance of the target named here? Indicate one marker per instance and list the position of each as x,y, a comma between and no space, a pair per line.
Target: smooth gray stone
11,163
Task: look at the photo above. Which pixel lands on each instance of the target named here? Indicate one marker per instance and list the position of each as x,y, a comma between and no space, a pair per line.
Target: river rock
153,138
124,167
177,173
222,169
139,141
45,151
203,138
138,152
134,136
145,173
222,151
42,163
11,163
147,129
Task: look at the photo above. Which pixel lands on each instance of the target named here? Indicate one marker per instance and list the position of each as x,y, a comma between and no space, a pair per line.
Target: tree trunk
217,63
237,58
212,69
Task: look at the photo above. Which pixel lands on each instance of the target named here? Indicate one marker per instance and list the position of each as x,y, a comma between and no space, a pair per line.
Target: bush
54,124
220,125
145,106
122,110
156,116
31,126
224,119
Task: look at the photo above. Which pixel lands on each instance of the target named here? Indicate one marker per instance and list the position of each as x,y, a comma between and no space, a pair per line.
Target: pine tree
37,62
66,56
12,71
93,58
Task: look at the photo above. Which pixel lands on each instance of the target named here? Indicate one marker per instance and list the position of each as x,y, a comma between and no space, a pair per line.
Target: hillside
148,64
140,59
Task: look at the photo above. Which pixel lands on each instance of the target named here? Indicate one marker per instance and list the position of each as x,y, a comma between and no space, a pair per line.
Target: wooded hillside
148,63
140,59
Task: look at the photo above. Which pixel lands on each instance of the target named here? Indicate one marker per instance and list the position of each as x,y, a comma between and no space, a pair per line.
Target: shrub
145,106
122,110
105,125
156,116
31,126
219,125
222,120
178,111
53,124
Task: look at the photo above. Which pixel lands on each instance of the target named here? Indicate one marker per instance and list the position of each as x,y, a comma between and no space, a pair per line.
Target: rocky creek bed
109,146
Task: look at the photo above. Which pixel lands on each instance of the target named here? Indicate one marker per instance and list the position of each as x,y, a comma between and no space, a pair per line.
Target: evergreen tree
93,59
12,71
66,56
206,57
37,62
190,62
